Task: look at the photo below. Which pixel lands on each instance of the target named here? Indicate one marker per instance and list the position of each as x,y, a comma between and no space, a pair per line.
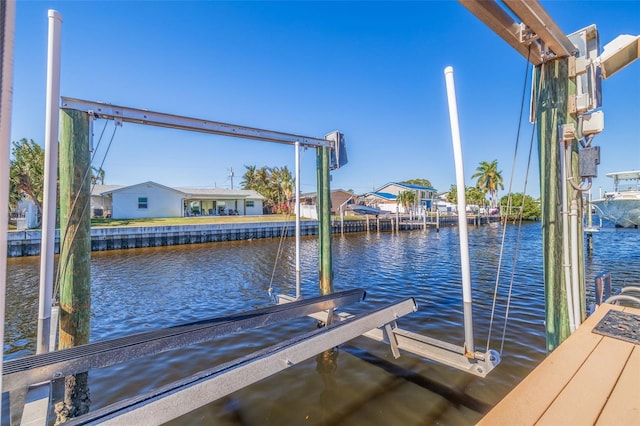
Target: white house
26,214
150,199
385,197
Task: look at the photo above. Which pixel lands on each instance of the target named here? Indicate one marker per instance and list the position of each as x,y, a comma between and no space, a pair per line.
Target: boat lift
379,324
463,357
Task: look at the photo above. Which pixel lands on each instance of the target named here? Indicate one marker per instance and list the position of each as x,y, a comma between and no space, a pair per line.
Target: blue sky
374,70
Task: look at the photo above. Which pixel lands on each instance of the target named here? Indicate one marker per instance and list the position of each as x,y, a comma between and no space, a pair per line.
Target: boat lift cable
281,247
283,235
504,225
62,269
517,245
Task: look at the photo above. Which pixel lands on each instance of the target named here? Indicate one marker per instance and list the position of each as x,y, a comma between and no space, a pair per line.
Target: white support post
462,213
7,27
297,158
51,172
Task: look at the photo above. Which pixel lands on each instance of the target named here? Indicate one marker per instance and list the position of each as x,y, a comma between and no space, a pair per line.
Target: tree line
26,175
275,184
489,180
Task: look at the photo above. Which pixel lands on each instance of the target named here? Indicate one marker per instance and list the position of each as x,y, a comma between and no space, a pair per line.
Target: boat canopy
625,175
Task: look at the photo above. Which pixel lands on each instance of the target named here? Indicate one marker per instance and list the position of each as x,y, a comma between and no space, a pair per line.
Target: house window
142,202
249,203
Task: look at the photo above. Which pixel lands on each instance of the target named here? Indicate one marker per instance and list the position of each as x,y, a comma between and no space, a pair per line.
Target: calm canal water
144,289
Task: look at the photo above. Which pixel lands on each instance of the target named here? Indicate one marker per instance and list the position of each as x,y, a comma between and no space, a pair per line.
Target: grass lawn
168,221
197,220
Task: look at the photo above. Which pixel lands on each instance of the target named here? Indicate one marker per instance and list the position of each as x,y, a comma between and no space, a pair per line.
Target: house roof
385,195
98,190
220,193
408,186
333,191
148,183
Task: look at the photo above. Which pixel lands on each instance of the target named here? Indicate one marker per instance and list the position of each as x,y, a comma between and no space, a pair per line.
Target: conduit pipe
566,255
575,273
462,214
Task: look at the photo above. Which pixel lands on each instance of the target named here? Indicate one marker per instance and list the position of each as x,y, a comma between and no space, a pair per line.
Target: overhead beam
499,21
159,119
532,14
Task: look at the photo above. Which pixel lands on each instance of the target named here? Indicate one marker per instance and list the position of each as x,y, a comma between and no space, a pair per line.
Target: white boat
363,209
622,205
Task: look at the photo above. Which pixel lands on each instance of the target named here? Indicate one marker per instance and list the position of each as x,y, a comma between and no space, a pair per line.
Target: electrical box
588,160
588,81
592,123
338,150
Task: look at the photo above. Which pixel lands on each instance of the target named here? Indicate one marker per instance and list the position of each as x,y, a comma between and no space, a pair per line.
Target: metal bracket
526,34
568,132
391,337
572,104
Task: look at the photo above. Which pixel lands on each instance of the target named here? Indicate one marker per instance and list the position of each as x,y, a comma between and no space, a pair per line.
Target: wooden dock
590,379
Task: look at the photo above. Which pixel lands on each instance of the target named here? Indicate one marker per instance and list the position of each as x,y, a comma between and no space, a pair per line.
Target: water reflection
139,290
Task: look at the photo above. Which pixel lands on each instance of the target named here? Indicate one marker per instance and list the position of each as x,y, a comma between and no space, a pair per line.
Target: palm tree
97,175
407,199
248,178
489,180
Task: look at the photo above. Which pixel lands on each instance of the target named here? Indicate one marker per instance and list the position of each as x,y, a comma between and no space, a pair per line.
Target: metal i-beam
22,372
181,397
538,20
151,118
499,21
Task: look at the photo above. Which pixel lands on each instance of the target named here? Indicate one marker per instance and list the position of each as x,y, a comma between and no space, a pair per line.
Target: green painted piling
324,221
552,111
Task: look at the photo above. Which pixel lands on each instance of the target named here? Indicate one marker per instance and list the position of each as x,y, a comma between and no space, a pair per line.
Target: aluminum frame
159,119
181,397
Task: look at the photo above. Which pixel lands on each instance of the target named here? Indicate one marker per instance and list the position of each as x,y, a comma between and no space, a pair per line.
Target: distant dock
27,243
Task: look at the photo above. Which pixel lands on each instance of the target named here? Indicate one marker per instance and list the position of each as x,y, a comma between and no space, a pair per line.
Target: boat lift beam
184,396
159,119
537,38
426,347
22,372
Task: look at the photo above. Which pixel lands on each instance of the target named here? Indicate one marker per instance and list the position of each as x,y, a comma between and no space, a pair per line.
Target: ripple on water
140,290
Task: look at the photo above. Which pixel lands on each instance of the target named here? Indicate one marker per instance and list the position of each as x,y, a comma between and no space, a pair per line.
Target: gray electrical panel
588,159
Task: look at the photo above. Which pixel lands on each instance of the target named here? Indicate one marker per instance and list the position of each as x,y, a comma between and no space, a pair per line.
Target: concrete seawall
27,243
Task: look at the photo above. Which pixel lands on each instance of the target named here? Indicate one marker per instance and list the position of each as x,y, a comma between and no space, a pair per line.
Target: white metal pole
462,215
47,245
575,273
297,146
7,27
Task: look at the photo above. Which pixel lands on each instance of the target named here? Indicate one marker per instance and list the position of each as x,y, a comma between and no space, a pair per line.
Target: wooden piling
75,253
552,112
324,221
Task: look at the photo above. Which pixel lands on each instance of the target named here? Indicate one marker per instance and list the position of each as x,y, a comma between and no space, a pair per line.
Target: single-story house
339,197
386,197
151,199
